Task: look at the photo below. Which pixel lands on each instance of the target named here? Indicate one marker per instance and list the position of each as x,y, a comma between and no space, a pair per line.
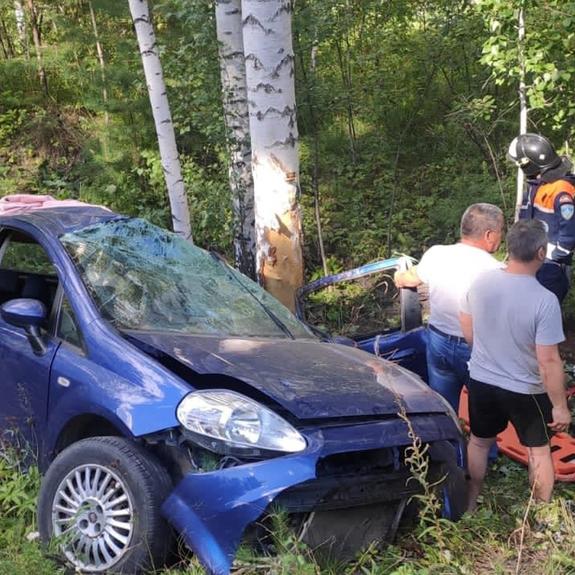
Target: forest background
412,104
405,112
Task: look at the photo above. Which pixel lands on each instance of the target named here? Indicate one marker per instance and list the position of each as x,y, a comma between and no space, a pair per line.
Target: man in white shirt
449,271
514,324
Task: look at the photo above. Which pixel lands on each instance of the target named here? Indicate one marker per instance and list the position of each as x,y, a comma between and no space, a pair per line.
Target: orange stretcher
562,444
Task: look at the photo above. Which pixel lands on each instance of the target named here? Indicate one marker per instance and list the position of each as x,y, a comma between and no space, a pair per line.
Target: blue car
164,393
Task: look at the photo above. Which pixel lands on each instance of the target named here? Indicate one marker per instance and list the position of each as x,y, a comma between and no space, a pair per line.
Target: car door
25,271
363,307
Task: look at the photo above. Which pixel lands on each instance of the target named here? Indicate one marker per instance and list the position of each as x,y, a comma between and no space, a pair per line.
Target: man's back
511,314
449,271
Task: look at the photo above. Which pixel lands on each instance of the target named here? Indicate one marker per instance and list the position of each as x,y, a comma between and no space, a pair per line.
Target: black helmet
534,154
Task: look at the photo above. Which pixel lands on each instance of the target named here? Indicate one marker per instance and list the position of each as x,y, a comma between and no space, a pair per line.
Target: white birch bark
233,78
21,26
522,106
274,137
162,117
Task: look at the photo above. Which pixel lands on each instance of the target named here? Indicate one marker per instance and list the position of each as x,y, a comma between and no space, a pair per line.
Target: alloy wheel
93,518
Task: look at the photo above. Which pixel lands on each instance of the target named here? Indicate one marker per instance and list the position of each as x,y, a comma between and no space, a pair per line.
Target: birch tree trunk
37,45
522,106
233,77
102,63
274,136
21,26
162,117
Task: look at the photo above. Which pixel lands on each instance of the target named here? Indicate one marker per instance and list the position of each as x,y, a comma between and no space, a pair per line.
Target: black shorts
491,408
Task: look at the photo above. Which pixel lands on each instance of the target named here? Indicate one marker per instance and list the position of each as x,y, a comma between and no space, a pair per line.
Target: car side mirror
28,314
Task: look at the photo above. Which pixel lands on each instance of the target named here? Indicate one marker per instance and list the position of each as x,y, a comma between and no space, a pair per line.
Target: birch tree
21,26
233,78
162,117
274,138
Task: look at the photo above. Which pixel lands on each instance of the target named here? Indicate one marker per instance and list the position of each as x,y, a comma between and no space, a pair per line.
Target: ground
509,534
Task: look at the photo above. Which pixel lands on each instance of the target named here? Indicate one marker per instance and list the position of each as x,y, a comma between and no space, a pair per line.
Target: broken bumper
211,510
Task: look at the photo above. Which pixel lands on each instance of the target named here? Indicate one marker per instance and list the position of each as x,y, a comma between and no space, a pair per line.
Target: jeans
447,366
447,370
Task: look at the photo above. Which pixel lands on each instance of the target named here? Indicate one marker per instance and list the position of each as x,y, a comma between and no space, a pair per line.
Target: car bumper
211,510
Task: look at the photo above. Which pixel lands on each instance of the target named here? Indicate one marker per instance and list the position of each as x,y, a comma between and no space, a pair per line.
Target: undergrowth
500,538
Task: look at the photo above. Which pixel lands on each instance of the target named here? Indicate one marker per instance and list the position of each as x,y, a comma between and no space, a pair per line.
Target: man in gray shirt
514,325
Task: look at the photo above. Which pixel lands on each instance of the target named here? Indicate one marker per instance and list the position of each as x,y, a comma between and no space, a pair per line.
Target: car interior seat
37,287
9,285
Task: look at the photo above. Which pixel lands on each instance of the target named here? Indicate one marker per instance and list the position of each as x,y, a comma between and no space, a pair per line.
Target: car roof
61,220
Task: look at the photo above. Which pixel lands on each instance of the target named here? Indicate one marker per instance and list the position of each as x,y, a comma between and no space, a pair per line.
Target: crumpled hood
308,378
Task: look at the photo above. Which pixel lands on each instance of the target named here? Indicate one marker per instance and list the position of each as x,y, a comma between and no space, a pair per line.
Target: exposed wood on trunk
162,117
236,113
271,95
35,24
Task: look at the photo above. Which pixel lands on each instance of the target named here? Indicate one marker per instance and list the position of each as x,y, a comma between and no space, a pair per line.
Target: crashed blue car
165,394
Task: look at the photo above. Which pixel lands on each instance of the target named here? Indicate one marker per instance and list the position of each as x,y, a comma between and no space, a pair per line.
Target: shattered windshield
145,278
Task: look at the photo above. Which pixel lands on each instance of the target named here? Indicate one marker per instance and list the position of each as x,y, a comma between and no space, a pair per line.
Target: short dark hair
480,218
525,238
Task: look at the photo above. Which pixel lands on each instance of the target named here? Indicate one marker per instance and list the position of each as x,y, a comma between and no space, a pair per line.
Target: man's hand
407,278
553,376
561,419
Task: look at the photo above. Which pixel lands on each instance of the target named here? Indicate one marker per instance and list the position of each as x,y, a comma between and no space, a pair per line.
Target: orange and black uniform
553,203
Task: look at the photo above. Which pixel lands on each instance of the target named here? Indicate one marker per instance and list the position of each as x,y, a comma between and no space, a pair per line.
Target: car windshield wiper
268,311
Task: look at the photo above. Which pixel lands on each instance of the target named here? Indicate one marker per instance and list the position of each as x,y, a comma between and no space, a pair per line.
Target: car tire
100,503
453,492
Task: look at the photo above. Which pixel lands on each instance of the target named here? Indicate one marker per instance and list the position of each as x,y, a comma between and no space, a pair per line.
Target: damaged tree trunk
162,117
233,77
274,136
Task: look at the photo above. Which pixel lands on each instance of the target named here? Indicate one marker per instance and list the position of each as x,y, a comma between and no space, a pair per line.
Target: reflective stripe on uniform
551,249
547,193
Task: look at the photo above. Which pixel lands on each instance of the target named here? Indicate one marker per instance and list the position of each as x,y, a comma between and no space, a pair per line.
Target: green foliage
548,53
359,308
78,144
17,489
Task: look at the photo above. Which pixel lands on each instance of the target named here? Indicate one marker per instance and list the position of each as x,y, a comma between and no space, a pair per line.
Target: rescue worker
550,199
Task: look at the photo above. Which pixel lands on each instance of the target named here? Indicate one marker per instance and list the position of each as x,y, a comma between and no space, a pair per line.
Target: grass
508,535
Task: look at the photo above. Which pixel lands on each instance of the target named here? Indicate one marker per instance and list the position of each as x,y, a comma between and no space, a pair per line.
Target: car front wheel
100,503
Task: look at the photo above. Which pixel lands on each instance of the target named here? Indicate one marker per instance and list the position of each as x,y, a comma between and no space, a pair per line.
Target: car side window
68,329
26,270
26,256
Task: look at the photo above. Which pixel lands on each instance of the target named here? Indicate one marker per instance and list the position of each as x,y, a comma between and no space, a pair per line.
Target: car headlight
228,418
